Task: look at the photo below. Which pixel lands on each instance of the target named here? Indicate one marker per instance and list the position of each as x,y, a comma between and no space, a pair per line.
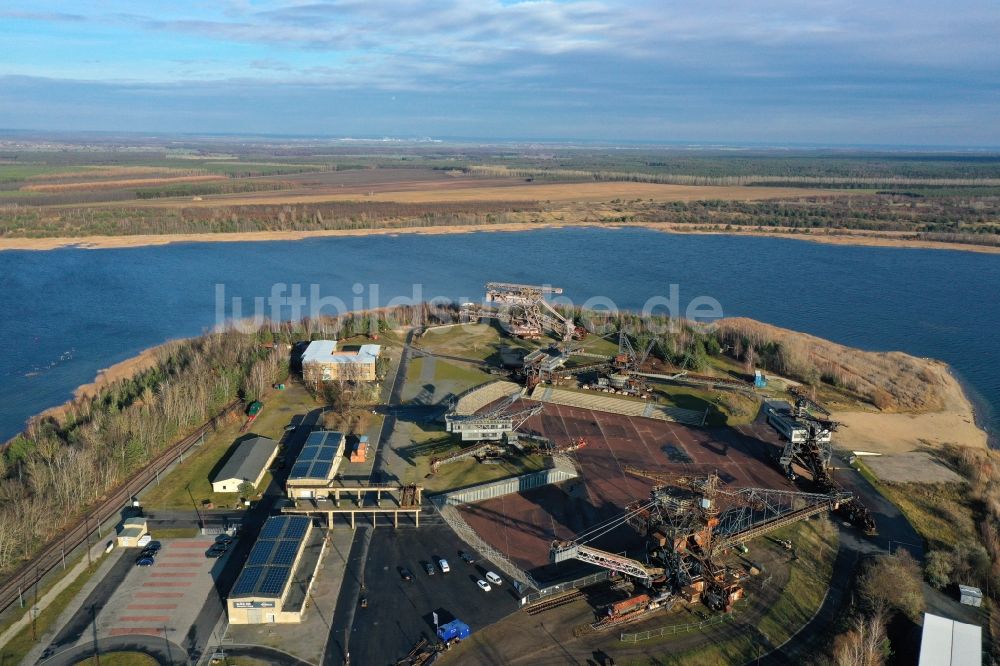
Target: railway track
555,602
16,586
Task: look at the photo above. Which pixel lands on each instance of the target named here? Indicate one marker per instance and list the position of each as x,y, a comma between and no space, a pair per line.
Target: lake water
65,314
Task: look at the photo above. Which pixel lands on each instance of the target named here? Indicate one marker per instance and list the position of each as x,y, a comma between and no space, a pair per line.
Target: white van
444,566
493,578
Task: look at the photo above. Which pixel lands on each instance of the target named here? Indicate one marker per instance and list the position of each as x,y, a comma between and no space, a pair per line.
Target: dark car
429,568
217,550
144,561
147,552
466,557
153,546
405,574
224,539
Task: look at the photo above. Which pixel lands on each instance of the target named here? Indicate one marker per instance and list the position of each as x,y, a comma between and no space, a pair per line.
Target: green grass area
445,371
939,512
470,472
11,173
120,659
478,341
816,546
188,484
18,647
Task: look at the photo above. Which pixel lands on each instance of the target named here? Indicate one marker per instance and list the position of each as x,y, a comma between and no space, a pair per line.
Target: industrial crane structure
486,429
688,522
522,308
808,446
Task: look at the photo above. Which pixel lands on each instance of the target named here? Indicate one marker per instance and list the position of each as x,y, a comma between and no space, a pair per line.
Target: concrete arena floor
523,525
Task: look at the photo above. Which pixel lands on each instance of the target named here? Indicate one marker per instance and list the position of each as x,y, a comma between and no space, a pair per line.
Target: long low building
247,463
314,468
275,581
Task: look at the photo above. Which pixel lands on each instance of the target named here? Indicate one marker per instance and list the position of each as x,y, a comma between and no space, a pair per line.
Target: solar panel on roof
315,437
296,527
274,581
247,581
300,469
261,553
308,453
285,553
273,527
320,470
326,453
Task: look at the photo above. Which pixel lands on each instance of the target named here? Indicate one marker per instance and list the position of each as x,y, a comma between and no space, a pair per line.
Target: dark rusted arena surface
523,525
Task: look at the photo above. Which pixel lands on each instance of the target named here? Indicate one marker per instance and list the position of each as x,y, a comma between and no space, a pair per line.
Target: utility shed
945,642
970,596
247,462
131,531
322,362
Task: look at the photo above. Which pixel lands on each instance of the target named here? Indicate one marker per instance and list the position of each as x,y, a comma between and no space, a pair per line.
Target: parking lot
400,612
163,599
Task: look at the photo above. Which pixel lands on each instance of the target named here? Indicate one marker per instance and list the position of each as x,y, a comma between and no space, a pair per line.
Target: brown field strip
471,191
118,183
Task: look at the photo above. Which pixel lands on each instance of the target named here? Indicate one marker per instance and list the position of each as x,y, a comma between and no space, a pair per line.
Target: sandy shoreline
859,238
893,433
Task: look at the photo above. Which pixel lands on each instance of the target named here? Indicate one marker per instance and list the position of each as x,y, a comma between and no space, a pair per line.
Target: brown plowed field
467,188
523,525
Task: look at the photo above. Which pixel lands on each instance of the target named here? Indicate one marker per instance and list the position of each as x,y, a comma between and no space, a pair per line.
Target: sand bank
108,242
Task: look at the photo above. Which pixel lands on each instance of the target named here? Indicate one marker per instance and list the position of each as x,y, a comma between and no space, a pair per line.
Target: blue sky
776,71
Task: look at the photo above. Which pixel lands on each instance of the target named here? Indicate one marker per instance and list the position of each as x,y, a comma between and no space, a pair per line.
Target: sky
830,72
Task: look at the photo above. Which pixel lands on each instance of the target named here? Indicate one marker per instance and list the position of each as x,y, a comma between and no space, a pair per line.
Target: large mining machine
524,310
809,447
688,523
487,429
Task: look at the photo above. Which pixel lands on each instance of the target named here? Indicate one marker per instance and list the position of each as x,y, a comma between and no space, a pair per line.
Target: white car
483,585
444,566
493,578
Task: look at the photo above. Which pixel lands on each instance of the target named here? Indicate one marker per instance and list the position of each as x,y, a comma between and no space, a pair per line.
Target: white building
945,642
321,362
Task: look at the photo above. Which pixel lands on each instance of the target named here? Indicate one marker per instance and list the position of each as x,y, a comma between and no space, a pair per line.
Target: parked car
144,561
148,552
214,553
224,539
405,574
443,563
466,557
154,546
493,578
429,568
483,585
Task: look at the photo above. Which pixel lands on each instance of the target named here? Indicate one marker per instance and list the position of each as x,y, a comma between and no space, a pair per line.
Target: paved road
894,532
164,651
82,620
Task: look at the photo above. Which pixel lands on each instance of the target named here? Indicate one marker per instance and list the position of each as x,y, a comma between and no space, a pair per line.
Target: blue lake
68,313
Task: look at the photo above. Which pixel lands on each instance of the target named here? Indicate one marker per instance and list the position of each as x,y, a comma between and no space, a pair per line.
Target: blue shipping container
454,629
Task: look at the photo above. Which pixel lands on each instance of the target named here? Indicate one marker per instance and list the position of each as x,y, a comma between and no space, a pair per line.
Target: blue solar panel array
269,565
315,461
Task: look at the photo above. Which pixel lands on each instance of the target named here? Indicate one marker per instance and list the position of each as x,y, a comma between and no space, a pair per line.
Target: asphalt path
82,619
160,649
